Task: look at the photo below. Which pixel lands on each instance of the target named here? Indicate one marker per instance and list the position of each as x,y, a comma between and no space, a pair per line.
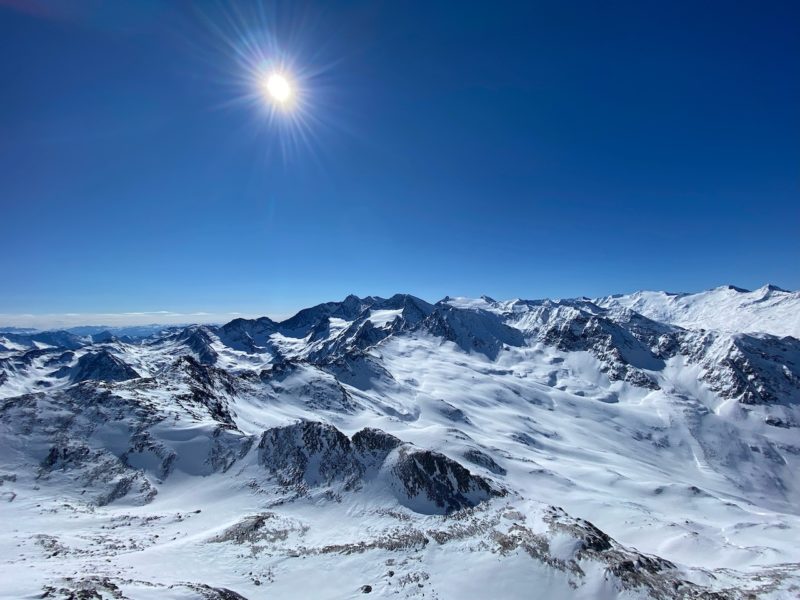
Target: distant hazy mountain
129,331
634,446
9,329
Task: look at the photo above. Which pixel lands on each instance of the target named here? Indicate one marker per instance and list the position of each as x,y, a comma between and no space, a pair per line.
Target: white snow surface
767,310
582,419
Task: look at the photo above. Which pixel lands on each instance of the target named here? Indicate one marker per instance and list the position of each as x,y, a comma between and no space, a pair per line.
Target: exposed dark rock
472,330
752,369
433,478
625,344
101,366
26,359
225,594
247,335
451,413
208,386
199,342
64,357
373,445
309,453
307,319
317,389
260,529
482,459
103,337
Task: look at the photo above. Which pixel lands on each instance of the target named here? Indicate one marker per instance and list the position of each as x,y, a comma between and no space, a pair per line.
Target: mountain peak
772,288
102,366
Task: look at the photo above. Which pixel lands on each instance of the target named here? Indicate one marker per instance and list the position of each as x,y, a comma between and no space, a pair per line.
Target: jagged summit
773,288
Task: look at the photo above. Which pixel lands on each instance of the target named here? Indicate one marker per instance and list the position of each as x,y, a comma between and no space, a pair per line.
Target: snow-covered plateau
635,446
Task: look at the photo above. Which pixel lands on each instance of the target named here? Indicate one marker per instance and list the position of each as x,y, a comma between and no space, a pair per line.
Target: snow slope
768,309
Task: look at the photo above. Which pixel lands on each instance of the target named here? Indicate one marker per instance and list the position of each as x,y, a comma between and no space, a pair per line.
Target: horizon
49,322
531,151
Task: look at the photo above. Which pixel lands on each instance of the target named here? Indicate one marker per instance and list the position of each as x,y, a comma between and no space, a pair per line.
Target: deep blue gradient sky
513,149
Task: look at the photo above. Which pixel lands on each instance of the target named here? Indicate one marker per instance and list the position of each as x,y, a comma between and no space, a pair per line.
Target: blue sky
511,149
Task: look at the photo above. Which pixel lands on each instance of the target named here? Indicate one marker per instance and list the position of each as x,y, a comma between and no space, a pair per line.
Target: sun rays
275,67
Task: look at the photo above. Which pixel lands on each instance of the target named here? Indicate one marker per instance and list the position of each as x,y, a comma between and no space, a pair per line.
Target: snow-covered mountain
640,446
768,309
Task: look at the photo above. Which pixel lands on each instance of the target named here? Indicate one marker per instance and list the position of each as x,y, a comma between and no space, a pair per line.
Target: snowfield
640,446
768,309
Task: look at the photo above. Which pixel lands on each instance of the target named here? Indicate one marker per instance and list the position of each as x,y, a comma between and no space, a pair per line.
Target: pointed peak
771,288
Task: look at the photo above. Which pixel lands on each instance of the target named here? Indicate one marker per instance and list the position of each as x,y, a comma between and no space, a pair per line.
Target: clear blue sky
511,149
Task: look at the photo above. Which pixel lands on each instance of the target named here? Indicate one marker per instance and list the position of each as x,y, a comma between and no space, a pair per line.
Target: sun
278,88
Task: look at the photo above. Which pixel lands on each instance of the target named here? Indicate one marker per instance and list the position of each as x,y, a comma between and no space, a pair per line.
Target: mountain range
634,446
